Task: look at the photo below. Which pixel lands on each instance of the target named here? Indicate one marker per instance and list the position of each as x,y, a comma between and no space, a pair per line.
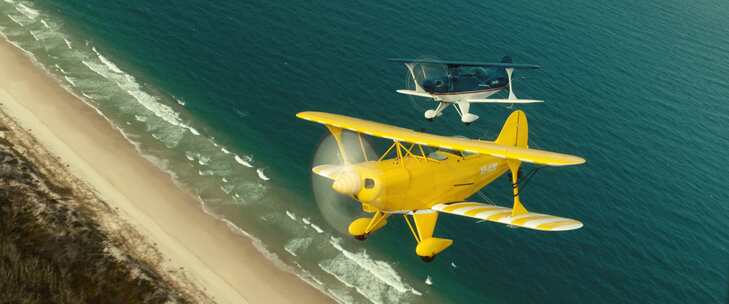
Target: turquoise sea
208,91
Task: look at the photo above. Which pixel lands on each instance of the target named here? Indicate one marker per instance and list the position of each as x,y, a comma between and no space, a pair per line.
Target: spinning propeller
335,193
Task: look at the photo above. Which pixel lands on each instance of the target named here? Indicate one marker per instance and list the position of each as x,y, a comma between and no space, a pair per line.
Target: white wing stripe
485,214
535,223
463,210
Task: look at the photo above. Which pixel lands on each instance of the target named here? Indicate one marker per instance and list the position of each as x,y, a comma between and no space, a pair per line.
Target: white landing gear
466,118
432,114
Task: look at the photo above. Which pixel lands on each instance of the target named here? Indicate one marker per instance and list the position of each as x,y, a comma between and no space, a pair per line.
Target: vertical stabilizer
515,131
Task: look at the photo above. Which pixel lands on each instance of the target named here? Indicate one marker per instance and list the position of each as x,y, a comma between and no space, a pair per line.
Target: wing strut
337,133
512,99
518,207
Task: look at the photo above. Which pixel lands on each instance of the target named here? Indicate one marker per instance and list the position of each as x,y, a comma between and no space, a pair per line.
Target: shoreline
197,251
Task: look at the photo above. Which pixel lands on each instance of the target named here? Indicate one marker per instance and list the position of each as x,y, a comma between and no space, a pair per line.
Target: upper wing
468,63
498,214
451,143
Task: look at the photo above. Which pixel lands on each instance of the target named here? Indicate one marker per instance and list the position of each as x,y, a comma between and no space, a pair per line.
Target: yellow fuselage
416,183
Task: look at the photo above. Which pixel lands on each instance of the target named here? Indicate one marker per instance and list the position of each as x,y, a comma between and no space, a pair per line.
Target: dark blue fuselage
464,79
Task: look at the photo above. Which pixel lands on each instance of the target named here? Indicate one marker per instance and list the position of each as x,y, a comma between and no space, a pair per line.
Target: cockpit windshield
442,78
443,154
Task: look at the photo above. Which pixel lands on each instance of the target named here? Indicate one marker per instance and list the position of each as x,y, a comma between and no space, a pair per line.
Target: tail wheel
427,259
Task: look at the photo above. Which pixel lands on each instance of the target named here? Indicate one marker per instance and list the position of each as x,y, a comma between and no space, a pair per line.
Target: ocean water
208,91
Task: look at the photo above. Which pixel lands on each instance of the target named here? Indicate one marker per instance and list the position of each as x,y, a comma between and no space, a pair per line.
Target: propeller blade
328,171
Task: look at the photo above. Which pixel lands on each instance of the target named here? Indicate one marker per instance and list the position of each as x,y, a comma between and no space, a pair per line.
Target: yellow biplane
406,180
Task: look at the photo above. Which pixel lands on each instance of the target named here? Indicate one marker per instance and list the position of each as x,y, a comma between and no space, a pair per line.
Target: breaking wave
357,270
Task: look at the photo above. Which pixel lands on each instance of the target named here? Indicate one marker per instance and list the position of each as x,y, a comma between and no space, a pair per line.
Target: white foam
60,69
382,271
113,67
205,172
225,150
111,71
252,191
316,228
227,188
297,245
306,220
16,20
27,11
341,296
48,36
349,273
68,43
453,265
225,180
180,102
70,81
261,175
45,24
140,118
203,160
291,215
428,281
319,282
189,155
241,114
243,161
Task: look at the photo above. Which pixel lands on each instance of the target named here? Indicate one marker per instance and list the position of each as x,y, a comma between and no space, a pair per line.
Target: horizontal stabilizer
415,93
504,100
498,214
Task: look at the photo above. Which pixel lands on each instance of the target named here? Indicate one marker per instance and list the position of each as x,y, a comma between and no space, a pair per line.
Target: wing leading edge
469,63
503,215
452,143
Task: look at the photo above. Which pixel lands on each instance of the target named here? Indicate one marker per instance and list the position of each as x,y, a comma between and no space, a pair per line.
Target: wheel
427,259
430,114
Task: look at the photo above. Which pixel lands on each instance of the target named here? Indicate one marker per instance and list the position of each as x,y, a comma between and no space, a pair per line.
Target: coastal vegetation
53,250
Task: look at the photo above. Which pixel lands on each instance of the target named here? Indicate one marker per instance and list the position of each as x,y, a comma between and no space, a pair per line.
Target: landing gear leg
361,228
466,117
428,246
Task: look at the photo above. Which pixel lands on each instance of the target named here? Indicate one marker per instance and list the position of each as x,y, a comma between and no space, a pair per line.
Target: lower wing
508,101
498,214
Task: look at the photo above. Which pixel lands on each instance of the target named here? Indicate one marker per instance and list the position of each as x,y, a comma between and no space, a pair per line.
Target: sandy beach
198,251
